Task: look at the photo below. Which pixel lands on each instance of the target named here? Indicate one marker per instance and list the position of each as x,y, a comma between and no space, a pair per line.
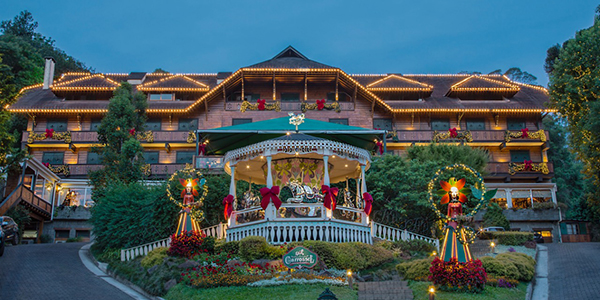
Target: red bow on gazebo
132,131
261,104
524,133
527,164
270,195
201,149
329,196
379,147
320,104
228,203
453,132
49,133
194,185
368,203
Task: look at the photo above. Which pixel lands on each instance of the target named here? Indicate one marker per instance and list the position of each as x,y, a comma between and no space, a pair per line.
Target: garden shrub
188,244
414,246
228,247
501,282
456,276
252,248
354,256
153,283
374,255
543,205
500,268
154,257
494,217
524,263
108,255
74,239
513,238
417,269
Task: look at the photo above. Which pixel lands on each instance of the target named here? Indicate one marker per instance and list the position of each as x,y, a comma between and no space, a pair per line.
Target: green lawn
283,292
490,293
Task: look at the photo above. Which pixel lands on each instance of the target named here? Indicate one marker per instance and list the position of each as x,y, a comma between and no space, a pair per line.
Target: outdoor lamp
434,253
493,245
349,273
431,293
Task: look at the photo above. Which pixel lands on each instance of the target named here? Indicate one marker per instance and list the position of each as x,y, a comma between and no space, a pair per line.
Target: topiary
500,267
227,247
252,248
154,257
494,217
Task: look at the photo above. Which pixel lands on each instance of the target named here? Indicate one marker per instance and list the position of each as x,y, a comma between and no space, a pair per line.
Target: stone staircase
394,289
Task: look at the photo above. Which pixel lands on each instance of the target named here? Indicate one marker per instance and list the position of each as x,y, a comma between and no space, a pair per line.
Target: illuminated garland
465,135
267,106
174,190
314,106
513,168
191,138
60,136
60,169
145,136
147,169
537,135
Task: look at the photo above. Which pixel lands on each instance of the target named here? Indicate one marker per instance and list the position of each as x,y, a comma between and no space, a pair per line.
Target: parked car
11,229
493,229
2,241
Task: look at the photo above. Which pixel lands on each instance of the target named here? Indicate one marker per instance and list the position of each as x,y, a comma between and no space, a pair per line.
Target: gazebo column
365,218
326,181
232,192
270,212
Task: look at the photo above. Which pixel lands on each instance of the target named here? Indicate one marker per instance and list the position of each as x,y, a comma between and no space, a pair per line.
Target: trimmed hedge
511,238
154,257
511,265
417,269
354,256
256,247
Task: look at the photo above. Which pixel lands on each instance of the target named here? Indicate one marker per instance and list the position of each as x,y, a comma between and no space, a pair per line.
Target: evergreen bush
500,268
154,257
417,269
494,217
253,248
524,263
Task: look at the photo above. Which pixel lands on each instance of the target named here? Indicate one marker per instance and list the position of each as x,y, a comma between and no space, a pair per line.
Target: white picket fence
389,233
218,232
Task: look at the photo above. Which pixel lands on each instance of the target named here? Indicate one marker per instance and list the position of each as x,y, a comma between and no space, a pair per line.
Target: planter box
72,213
526,215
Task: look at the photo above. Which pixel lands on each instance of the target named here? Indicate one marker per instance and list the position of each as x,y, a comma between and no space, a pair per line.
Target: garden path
573,271
51,271
394,289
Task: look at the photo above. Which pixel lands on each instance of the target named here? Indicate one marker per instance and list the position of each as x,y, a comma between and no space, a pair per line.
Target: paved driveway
574,271
51,271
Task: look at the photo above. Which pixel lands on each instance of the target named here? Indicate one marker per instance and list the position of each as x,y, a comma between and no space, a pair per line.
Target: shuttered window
383,124
339,121
154,124
240,121
57,124
515,124
151,157
440,124
290,97
53,158
476,124
184,157
93,158
95,124
519,155
188,124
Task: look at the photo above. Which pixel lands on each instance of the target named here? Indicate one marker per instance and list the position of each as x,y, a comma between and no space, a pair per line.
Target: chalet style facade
488,111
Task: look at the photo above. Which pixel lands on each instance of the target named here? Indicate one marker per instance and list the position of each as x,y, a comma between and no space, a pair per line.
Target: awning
224,139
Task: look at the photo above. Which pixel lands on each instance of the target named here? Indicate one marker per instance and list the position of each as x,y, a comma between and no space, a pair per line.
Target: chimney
49,72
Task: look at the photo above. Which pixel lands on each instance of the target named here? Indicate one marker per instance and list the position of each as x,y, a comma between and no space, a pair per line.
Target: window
240,121
519,155
188,124
154,124
161,96
339,121
500,199
251,97
57,124
62,233
151,157
53,158
515,124
184,157
541,196
341,96
95,124
476,124
93,158
521,198
82,233
440,124
290,97
383,124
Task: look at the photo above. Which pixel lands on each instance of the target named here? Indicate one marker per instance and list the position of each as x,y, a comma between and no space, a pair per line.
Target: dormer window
160,96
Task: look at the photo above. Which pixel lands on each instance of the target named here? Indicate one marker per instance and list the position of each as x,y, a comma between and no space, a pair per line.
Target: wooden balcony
92,137
82,170
480,137
503,170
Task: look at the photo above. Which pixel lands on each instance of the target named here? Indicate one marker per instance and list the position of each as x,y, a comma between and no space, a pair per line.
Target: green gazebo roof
224,139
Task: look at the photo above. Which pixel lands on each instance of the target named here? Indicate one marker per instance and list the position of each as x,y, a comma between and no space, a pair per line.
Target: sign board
300,257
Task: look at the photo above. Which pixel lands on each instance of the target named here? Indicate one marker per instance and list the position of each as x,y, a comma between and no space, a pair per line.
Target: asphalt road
51,271
573,271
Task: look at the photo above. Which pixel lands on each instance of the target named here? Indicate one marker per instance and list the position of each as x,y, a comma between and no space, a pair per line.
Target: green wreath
200,189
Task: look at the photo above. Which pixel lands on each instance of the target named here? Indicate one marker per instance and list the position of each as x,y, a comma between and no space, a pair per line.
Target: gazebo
304,159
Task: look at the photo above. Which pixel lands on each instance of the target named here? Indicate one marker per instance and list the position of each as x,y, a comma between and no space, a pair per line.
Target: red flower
132,131
453,132
261,104
320,104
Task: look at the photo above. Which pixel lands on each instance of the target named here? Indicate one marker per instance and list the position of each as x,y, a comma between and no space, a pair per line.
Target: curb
538,288
101,270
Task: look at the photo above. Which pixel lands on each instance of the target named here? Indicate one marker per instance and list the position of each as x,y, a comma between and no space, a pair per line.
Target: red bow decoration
228,203
320,104
270,194
201,149
525,133
329,196
528,165
49,133
132,131
261,104
368,203
453,132
194,185
46,164
379,147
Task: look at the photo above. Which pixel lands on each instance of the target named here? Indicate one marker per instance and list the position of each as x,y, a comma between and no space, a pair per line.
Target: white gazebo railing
389,233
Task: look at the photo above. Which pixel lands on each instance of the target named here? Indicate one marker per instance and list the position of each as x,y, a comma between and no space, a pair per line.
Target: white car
493,229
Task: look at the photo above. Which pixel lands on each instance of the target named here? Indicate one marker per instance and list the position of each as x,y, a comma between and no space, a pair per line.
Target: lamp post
349,273
431,293
493,246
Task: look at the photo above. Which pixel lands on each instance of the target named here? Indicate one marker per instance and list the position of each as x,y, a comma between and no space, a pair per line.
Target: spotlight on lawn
431,293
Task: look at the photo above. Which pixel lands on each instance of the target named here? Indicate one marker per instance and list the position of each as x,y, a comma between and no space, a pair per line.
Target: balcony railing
504,169
92,137
426,136
155,169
